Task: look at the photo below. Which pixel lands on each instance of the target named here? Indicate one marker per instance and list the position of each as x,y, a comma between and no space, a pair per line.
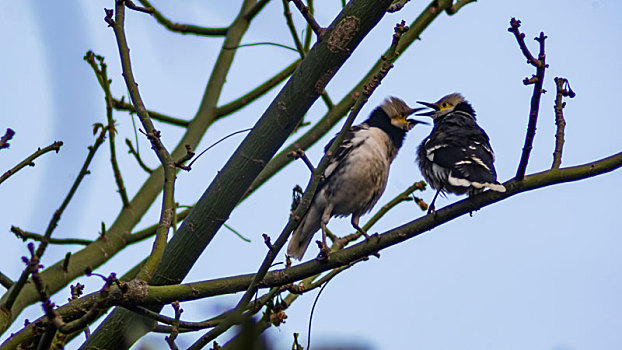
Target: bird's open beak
413,110
413,122
430,105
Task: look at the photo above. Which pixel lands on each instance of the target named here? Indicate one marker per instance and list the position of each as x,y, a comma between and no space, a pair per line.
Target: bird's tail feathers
303,234
497,187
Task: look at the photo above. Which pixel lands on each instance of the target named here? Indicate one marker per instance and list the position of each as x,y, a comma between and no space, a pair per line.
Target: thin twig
4,140
183,28
24,235
170,340
134,152
94,311
257,92
29,160
132,6
300,154
53,321
189,154
5,281
120,105
262,43
537,80
398,5
308,16
453,9
101,72
16,289
308,30
302,50
563,90
168,201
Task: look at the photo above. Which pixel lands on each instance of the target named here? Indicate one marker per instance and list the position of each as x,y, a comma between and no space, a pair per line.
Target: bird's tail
303,234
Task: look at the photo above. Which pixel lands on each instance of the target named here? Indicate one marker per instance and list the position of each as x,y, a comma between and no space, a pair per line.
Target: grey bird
456,157
357,173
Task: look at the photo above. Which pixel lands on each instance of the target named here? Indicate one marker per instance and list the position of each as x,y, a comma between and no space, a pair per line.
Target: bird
456,157
357,173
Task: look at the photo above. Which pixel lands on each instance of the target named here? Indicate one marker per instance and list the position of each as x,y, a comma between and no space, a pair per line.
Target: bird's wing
465,151
350,142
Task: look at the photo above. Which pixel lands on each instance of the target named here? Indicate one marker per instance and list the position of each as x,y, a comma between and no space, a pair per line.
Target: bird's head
447,104
398,110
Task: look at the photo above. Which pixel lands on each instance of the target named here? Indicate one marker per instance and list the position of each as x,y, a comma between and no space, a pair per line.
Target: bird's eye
444,105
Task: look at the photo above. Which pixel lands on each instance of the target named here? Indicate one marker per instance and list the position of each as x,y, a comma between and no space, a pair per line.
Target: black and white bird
456,157
357,173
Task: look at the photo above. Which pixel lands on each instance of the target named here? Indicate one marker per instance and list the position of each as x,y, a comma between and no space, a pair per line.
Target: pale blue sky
541,270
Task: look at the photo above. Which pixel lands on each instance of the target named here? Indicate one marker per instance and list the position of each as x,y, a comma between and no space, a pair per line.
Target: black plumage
357,173
456,157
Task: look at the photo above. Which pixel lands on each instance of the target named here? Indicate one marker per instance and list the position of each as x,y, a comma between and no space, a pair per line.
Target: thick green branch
273,128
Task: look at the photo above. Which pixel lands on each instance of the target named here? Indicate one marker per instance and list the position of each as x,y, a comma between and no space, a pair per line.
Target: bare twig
4,140
259,91
29,160
398,5
537,80
453,9
183,28
308,16
170,340
302,49
132,6
133,152
15,290
120,105
24,235
189,154
94,311
168,164
53,321
101,72
563,90
5,281
300,154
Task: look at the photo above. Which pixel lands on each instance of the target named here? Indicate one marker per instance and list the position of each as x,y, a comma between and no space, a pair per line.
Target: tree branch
563,90
24,235
308,16
168,164
142,294
183,28
119,105
29,160
4,140
101,73
537,80
257,92
11,296
134,152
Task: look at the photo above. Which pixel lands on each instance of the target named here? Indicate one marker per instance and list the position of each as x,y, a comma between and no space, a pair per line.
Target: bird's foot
324,251
431,209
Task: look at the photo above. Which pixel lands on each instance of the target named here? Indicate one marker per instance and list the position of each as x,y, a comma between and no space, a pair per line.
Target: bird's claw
324,251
